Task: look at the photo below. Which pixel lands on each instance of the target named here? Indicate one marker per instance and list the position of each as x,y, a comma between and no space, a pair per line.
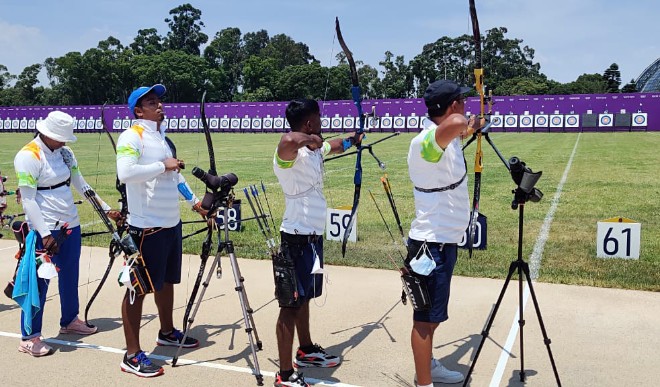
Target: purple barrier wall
547,113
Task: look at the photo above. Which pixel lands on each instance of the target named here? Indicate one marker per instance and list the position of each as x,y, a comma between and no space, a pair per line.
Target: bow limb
207,135
208,240
114,249
478,157
356,94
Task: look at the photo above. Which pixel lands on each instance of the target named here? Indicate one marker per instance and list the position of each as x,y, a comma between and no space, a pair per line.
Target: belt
441,189
66,182
299,239
439,245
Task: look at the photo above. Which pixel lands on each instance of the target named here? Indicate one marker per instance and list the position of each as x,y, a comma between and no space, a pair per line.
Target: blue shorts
161,249
301,249
439,281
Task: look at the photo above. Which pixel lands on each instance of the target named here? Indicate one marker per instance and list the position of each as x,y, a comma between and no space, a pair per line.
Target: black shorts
439,281
161,249
301,249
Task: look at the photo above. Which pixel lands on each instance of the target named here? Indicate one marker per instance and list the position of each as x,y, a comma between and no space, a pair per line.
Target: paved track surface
600,337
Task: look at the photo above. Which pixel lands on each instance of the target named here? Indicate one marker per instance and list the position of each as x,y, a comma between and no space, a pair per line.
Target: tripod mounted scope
220,185
525,179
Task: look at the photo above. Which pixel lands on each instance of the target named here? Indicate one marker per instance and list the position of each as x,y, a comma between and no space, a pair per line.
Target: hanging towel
26,291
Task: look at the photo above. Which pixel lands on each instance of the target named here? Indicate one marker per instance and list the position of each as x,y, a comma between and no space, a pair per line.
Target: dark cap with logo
440,94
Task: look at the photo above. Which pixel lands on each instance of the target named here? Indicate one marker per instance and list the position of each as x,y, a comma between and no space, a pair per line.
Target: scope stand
228,246
522,268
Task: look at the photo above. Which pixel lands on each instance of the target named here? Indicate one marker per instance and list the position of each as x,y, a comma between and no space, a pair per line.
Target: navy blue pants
68,262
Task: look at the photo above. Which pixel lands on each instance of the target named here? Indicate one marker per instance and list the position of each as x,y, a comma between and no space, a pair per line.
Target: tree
397,80
453,58
26,83
258,72
147,42
185,29
5,77
304,81
254,42
630,87
588,84
522,86
287,52
613,78
369,82
224,52
505,58
67,74
183,74
446,58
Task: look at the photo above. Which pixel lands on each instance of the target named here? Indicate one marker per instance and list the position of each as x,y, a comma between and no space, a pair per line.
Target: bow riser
478,157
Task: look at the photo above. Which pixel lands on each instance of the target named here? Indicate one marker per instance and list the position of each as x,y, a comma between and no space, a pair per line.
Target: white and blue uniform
439,216
47,199
152,193
303,222
302,183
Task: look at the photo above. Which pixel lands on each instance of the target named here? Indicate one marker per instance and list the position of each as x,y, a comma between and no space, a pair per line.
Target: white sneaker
440,374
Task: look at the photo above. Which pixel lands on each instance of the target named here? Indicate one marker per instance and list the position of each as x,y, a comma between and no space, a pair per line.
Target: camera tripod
522,268
227,246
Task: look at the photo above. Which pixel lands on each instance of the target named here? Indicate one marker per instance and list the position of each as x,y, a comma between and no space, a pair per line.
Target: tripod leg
546,339
191,319
491,319
521,319
247,312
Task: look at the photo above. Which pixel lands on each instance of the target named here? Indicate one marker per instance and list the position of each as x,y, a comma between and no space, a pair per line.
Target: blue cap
141,92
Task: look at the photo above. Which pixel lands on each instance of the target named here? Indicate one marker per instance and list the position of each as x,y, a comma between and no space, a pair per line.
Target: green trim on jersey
26,180
284,164
430,150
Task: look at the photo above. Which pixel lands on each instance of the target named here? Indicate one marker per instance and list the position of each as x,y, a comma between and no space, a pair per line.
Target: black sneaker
295,380
174,340
140,365
315,356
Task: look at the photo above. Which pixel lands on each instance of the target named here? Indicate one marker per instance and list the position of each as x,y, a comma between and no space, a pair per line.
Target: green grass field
611,175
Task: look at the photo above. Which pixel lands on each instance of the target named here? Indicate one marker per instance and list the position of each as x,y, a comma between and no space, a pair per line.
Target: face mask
47,269
125,279
316,267
423,263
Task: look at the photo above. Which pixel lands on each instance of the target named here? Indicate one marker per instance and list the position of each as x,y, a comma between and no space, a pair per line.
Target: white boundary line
168,359
535,263
537,253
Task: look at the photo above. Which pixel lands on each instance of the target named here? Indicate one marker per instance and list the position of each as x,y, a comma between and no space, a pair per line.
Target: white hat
58,126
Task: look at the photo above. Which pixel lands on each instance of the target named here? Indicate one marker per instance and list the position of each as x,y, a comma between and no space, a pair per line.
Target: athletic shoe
174,340
35,347
440,374
295,380
78,327
316,357
140,365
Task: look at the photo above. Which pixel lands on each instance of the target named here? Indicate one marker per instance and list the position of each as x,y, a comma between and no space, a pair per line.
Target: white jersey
439,216
302,183
38,167
152,194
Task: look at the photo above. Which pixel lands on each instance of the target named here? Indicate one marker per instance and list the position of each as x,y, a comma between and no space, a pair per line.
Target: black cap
440,93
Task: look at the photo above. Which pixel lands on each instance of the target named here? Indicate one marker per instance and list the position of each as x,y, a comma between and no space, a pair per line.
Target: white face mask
316,267
125,278
423,263
47,269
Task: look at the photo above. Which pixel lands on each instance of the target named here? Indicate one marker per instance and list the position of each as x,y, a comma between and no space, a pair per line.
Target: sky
570,37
